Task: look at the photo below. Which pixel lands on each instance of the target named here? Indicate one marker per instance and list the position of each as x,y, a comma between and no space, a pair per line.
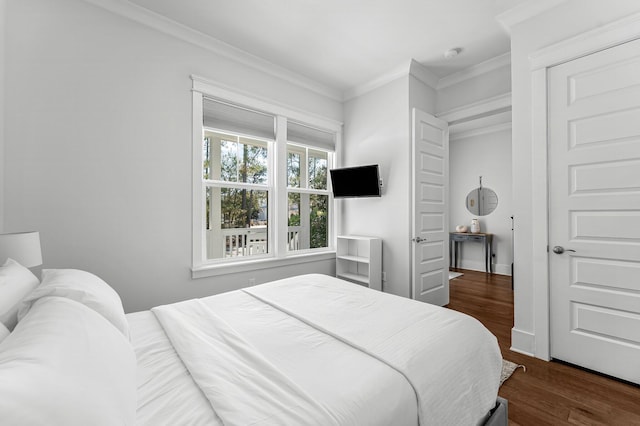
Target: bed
306,350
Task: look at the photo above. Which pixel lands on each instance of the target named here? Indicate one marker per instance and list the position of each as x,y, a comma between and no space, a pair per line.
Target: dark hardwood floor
548,393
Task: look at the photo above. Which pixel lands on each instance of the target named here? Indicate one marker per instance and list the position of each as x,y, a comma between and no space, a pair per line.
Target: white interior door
594,202
430,198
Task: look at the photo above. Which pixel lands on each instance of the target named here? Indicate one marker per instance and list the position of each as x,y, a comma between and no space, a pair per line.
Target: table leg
491,255
450,253
484,252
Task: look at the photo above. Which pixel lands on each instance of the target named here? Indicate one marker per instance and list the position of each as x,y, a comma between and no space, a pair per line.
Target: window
308,198
259,195
235,176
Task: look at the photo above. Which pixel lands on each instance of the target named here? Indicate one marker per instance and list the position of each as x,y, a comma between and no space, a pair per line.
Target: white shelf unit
359,260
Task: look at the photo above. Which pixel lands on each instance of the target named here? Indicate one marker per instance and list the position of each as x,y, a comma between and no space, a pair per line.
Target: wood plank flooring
548,393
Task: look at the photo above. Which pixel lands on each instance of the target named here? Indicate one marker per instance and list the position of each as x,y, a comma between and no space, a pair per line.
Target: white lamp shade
23,247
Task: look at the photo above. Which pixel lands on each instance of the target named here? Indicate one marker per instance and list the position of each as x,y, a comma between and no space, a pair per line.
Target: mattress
333,353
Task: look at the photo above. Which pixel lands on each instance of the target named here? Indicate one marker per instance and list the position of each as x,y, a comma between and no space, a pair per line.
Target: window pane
293,222
234,159
319,221
293,170
253,161
206,158
317,169
308,219
237,222
294,209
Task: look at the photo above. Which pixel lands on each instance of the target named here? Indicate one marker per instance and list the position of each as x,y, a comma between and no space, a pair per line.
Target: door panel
594,202
430,247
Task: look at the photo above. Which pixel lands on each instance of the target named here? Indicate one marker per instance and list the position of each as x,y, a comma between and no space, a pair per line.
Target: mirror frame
481,198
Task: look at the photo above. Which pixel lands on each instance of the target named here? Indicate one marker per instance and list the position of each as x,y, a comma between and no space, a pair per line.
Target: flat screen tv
361,181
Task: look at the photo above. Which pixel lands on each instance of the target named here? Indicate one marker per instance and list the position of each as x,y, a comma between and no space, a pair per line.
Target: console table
460,237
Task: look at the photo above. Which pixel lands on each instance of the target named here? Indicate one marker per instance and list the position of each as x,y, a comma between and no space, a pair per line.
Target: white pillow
16,282
64,364
83,287
4,332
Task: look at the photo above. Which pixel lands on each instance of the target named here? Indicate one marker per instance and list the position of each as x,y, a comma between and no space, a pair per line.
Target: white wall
378,131
476,88
98,146
487,155
569,19
3,27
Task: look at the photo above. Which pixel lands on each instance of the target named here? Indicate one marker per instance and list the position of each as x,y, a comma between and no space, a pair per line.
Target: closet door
594,217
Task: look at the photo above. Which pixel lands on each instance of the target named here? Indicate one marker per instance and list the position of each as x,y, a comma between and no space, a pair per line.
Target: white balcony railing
244,241
293,237
235,242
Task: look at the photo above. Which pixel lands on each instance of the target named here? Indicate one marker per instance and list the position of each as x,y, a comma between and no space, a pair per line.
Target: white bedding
65,364
166,393
338,353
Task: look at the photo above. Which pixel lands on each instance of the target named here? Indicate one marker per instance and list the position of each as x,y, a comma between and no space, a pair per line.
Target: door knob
418,240
560,250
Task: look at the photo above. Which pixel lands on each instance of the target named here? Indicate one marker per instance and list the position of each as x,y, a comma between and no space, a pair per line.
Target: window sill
254,265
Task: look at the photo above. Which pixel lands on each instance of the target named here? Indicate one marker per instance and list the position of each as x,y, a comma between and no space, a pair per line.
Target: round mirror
482,201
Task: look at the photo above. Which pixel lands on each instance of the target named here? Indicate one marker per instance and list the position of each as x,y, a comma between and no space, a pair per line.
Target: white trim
260,264
3,56
612,34
540,213
380,81
484,106
278,254
490,120
412,67
175,29
423,74
487,66
525,11
280,175
475,265
197,218
479,131
522,342
601,38
240,97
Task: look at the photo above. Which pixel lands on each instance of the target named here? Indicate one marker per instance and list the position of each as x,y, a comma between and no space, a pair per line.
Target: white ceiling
345,43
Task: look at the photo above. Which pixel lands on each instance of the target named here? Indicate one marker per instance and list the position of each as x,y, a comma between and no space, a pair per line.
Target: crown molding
475,70
525,11
456,136
175,29
423,74
481,126
361,89
412,67
475,109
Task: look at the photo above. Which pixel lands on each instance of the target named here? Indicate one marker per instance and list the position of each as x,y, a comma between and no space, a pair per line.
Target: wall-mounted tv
361,181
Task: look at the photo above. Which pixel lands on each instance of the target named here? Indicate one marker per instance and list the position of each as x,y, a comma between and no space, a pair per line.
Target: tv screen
362,181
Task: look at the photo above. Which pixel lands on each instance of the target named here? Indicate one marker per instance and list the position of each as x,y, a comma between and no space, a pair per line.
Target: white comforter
317,350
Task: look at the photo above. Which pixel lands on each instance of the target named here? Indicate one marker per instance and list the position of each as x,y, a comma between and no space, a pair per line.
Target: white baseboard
523,342
498,268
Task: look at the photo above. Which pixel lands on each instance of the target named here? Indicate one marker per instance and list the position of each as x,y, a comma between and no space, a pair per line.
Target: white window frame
304,184
277,184
268,187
